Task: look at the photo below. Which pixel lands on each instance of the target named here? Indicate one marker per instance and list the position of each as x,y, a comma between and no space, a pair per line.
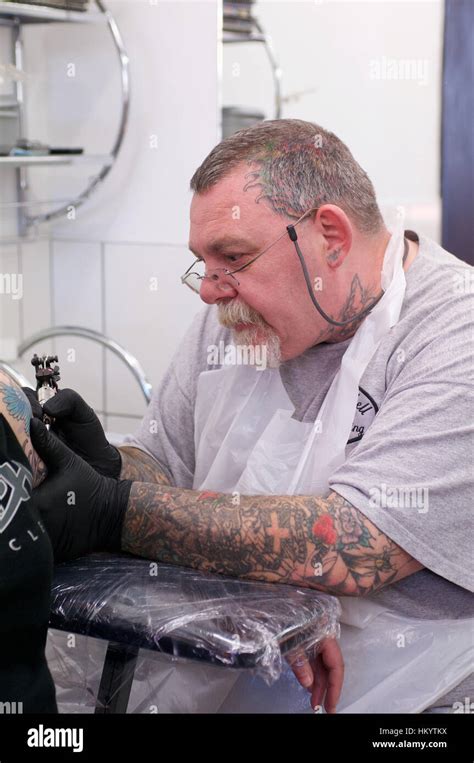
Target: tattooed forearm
38,467
14,405
140,467
322,543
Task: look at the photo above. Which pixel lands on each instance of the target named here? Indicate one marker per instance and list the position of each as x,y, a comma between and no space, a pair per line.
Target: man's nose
212,291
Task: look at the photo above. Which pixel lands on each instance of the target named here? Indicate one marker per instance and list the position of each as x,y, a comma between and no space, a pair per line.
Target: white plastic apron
246,441
245,438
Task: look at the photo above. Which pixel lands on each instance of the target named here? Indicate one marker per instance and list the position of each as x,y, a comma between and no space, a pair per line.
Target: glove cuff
117,468
114,514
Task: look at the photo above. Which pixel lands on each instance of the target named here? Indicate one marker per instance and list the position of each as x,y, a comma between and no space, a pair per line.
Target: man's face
269,299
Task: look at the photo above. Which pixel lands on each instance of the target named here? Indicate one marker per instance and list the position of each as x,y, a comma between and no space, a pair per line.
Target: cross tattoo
278,533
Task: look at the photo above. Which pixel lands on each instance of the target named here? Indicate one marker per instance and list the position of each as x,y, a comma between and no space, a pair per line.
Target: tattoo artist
292,255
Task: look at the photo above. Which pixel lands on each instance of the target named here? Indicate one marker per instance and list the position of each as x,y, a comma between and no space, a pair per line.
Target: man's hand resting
77,425
82,511
322,674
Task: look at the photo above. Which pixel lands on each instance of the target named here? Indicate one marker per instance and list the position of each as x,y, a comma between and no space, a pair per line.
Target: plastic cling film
184,615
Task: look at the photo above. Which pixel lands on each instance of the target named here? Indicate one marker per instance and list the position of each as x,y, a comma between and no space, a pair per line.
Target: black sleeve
26,564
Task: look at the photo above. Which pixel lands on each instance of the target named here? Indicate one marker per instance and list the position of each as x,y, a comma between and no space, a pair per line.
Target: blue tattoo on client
16,404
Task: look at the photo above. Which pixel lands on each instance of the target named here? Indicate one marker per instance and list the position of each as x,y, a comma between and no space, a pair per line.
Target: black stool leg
116,680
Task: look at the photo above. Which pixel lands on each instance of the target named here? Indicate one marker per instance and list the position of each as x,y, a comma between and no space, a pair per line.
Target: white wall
330,54
100,269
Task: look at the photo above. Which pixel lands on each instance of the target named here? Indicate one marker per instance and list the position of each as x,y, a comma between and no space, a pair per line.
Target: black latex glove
77,425
82,510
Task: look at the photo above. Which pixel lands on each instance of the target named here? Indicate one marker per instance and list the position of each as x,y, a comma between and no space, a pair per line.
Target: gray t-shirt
410,454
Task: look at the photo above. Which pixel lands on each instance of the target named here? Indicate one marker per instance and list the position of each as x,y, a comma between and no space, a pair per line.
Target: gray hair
297,165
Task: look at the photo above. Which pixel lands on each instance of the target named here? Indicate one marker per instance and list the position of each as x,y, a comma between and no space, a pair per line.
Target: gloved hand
77,425
36,408
82,510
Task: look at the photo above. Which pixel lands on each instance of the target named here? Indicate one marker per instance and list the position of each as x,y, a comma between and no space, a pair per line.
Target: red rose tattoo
324,531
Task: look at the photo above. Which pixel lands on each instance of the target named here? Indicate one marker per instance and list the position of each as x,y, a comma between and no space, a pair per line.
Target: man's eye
233,257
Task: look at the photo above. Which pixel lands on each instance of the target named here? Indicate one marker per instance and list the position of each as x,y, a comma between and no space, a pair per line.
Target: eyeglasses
196,273
193,278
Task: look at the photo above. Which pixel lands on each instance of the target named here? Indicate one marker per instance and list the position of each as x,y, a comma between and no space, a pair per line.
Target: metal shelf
8,102
15,15
39,14
8,107
29,161
243,37
256,33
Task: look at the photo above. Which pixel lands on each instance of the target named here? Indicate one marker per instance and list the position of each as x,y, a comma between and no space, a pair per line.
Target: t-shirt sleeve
411,474
167,430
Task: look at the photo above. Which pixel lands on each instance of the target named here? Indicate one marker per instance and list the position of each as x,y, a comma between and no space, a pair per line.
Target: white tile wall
77,300
36,305
147,311
21,318
10,308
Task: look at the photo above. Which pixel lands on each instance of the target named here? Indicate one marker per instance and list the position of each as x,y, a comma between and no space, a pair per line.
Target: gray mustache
238,312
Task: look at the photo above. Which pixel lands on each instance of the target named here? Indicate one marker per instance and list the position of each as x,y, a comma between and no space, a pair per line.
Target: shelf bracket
32,221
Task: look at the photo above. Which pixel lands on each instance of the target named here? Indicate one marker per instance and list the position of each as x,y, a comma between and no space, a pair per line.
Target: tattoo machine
47,378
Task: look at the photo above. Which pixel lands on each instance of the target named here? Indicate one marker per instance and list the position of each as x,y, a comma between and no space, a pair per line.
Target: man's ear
336,229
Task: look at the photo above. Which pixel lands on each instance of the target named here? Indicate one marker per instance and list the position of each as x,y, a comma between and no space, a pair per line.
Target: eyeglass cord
294,237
